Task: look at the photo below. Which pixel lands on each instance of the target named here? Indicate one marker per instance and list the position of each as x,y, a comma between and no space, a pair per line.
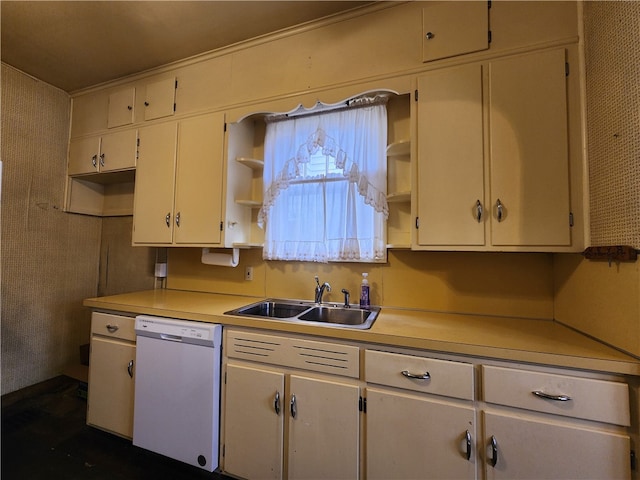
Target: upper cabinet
159,100
493,156
121,107
108,153
178,191
454,28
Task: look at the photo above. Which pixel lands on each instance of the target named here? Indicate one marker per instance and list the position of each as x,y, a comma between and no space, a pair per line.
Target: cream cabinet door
153,215
529,150
198,202
323,429
450,157
111,386
118,151
254,413
411,436
121,105
160,99
83,156
535,449
454,28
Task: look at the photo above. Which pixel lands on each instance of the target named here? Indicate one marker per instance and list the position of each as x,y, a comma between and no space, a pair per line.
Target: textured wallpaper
49,258
612,52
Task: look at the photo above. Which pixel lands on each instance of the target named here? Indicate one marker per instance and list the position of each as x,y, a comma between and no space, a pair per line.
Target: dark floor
45,436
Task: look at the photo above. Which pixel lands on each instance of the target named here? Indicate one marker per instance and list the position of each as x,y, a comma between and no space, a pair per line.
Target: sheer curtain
325,179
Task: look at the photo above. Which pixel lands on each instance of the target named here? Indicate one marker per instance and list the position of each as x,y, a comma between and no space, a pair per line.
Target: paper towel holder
221,259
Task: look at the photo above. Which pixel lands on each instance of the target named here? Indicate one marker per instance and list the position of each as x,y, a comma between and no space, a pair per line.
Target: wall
591,296
512,284
49,258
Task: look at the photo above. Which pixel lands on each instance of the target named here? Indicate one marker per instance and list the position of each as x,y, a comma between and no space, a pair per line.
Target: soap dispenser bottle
364,292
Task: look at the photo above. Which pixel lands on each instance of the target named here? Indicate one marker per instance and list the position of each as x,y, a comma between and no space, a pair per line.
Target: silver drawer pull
276,403
557,398
112,328
420,376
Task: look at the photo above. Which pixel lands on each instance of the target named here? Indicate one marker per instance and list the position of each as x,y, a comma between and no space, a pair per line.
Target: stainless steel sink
340,316
330,314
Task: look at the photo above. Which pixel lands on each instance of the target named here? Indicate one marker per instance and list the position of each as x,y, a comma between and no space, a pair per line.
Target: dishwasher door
177,389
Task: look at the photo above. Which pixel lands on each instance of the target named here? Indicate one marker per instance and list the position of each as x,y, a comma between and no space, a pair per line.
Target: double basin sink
298,311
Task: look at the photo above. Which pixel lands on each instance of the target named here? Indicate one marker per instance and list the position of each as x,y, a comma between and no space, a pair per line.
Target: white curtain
325,179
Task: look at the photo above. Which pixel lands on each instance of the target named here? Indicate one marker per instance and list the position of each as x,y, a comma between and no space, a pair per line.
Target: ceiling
76,44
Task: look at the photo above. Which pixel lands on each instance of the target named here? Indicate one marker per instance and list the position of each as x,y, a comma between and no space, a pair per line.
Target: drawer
115,326
586,398
294,352
448,378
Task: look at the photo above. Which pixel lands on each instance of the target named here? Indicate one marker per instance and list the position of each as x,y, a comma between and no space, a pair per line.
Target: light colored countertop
541,342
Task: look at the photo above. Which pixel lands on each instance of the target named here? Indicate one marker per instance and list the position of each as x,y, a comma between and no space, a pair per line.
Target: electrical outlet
248,273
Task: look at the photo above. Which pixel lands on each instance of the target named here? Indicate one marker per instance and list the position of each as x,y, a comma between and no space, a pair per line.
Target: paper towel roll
221,259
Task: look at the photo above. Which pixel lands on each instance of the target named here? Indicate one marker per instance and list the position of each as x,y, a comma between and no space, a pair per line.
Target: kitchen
53,260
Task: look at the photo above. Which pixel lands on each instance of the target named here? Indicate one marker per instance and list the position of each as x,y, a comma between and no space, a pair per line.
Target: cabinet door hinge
489,36
223,450
566,69
225,127
176,84
633,459
362,405
489,4
571,219
221,226
225,378
415,95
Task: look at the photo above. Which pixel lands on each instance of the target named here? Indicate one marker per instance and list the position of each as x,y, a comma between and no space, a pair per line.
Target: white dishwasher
177,389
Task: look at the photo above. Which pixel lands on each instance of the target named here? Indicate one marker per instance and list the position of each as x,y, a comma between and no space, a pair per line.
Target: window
325,185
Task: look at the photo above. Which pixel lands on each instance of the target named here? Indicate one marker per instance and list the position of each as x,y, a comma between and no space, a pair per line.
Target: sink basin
272,309
332,315
339,315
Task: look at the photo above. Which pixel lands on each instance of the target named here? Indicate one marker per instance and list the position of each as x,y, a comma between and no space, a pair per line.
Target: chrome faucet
320,289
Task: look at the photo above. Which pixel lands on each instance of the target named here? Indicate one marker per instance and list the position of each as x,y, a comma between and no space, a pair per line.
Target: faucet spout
320,289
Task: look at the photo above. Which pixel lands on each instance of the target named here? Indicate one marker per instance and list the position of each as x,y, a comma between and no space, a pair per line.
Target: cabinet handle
499,208
146,104
130,368
478,211
129,107
494,451
557,398
102,159
293,406
429,35
467,437
178,219
94,161
112,328
419,376
276,403
167,219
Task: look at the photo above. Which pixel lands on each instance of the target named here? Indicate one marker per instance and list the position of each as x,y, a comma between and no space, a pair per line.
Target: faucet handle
317,280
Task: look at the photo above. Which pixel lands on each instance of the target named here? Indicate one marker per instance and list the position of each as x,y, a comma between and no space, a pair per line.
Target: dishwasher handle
171,338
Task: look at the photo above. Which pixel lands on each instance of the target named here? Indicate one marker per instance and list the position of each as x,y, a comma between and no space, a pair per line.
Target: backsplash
505,284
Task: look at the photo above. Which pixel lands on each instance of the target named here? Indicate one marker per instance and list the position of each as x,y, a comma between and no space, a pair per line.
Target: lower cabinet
289,423
411,436
554,426
111,374
525,448
428,428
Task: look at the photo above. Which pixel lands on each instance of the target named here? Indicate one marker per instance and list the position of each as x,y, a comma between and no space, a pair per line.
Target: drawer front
448,378
325,357
115,326
586,398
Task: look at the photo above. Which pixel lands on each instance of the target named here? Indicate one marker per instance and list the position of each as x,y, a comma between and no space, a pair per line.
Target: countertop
542,342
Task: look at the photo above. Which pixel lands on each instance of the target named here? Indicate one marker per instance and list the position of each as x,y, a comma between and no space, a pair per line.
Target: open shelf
249,203
252,163
399,197
399,148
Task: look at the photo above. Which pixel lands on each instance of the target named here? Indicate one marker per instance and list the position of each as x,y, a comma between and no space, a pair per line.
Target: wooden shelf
252,163
399,197
396,149
247,245
398,246
249,203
